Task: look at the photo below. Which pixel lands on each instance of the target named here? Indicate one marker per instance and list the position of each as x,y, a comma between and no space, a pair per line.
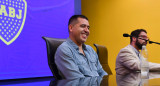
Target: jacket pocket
93,62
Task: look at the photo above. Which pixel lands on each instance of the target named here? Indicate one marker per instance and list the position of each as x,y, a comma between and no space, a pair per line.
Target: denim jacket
73,64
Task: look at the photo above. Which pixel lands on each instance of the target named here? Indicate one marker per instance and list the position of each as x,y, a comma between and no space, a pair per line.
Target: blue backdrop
22,24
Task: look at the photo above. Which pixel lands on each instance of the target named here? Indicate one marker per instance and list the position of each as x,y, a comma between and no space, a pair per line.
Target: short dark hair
75,17
136,33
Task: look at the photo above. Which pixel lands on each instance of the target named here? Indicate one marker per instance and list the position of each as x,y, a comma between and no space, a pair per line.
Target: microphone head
126,35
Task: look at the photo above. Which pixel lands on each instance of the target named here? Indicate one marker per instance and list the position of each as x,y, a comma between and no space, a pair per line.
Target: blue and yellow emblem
12,19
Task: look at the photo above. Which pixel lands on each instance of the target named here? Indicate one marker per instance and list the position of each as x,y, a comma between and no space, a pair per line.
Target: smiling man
73,58
128,59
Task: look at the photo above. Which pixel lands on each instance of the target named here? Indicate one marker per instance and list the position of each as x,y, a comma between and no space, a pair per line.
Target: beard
139,45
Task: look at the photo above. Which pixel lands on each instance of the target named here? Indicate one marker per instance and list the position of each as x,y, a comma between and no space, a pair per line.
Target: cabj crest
12,19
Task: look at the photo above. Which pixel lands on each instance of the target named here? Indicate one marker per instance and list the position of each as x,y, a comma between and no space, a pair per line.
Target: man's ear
134,39
70,28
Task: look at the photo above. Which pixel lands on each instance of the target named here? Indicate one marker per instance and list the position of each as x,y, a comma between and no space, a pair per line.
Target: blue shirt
137,52
73,64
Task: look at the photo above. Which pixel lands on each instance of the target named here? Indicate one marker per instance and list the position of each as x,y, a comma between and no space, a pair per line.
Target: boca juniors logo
12,19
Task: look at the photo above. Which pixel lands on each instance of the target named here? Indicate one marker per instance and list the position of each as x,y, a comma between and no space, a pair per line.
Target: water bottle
144,62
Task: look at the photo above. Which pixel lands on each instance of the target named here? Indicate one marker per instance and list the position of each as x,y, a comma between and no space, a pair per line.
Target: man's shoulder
64,44
63,47
128,49
88,47
124,52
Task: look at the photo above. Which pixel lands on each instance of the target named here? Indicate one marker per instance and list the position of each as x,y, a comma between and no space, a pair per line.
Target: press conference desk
132,79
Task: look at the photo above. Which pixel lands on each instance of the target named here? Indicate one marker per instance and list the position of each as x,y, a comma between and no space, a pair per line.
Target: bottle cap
144,47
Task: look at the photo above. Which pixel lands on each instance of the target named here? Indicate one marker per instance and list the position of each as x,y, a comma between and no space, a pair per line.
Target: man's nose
86,29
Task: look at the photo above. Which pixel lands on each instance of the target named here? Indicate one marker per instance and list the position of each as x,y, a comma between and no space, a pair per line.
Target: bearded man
128,59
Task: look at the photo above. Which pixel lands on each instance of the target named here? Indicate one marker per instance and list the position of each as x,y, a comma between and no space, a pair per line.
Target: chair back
52,45
103,57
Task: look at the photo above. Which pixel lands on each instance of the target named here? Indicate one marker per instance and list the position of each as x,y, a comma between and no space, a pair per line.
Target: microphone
126,35
150,42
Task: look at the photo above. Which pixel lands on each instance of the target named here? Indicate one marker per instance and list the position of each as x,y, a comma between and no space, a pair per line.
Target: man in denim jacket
73,58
